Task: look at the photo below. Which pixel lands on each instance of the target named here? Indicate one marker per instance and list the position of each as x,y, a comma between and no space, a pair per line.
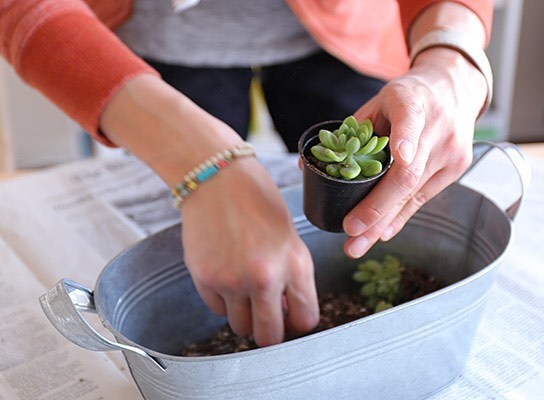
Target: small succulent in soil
381,282
352,151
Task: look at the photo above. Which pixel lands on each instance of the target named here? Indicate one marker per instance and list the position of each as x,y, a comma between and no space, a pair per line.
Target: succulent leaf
352,122
335,156
390,262
371,266
362,276
319,152
330,140
370,167
369,146
383,288
343,130
350,169
382,306
333,170
365,131
369,290
366,126
342,138
353,145
381,156
380,145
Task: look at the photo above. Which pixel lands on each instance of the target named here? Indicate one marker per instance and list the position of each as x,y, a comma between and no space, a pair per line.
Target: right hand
245,256
241,247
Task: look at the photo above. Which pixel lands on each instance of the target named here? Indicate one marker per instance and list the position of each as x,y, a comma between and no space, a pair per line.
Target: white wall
40,134
6,156
527,122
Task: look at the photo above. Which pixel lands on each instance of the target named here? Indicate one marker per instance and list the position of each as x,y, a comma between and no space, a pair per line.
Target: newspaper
507,361
35,362
69,221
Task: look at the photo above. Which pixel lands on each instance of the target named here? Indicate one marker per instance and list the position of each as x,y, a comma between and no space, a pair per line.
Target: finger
401,179
436,184
302,313
356,247
388,194
366,111
390,225
408,210
212,300
239,314
267,314
407,120
371,111
402,115
302,305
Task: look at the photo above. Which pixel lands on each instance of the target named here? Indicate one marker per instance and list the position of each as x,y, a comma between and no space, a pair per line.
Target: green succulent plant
352,151
381,282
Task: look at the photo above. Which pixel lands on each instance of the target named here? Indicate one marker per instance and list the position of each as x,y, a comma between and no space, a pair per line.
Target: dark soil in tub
335,309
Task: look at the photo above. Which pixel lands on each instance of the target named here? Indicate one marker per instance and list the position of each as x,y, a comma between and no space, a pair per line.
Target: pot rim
313,336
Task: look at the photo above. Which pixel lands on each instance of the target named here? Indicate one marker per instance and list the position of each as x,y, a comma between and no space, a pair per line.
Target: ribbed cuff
79,65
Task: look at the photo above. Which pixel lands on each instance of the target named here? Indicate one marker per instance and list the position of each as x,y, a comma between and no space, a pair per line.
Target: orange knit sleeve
60,48
411,9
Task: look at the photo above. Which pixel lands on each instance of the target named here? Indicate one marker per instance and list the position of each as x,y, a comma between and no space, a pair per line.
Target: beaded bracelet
207,169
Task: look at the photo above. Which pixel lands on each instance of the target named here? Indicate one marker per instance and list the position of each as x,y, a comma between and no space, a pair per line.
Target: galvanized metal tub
146,298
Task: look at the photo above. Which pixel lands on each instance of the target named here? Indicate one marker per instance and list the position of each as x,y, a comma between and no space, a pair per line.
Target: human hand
241,247
430,113
245,256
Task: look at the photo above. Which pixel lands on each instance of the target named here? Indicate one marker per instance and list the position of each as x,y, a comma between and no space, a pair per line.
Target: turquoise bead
207,173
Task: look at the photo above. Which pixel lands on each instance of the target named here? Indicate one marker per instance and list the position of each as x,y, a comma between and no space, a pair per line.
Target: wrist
454,77
208,169
468,55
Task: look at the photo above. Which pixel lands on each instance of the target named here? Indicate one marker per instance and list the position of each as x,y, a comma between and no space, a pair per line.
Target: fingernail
406,151
354,226
387,234
358,247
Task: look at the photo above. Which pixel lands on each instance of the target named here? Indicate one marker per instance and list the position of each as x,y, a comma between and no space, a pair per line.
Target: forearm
164,128
430,113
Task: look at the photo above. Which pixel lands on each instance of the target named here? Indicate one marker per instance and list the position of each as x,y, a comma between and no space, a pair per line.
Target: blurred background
34,133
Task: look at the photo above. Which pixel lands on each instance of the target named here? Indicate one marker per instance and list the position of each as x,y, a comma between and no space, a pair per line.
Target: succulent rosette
352,151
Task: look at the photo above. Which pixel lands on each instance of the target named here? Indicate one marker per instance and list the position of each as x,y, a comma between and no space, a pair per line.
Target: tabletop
503,364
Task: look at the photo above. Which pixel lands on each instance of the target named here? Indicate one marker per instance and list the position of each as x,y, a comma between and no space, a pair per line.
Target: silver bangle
464,45
182,5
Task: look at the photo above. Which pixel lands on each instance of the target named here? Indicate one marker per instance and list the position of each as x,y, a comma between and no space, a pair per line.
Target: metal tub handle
516,157
62,305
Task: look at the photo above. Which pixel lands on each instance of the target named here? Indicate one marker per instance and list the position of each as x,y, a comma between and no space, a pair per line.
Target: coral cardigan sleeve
63,50
411,9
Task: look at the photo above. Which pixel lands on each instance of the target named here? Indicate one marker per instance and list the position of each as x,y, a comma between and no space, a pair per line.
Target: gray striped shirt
217,33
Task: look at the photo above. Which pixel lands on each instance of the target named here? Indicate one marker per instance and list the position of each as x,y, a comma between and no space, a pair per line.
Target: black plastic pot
327,200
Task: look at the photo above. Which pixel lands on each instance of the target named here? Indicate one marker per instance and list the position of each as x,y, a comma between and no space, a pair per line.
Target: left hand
430,113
